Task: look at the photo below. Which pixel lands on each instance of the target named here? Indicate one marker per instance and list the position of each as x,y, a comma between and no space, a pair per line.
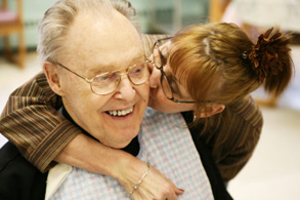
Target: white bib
165,142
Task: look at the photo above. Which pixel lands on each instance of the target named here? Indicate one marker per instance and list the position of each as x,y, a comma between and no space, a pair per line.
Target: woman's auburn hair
212,59
215,60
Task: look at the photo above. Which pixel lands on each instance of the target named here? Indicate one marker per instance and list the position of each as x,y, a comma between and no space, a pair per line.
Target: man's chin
121,145
126,136
117,145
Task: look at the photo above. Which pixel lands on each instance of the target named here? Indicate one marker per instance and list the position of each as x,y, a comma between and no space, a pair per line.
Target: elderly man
93,58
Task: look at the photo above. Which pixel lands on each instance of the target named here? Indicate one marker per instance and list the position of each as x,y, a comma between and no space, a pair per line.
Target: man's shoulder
12,163
18,178
8,154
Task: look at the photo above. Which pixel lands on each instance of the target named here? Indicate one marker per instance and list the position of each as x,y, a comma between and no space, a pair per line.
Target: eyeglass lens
166,87
159,62
158,54
106,83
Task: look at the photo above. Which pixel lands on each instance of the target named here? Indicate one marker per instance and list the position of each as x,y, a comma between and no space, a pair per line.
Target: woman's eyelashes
173,84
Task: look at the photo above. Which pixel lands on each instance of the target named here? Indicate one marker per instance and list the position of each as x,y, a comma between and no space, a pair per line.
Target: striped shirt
30,121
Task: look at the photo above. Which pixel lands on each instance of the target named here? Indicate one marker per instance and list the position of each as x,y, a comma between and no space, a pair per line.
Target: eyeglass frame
163,74
90,81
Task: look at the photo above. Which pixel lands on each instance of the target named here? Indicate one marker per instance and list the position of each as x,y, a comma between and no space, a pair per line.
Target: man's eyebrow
141,56
100,69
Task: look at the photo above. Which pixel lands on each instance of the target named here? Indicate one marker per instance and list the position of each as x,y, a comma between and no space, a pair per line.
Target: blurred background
274,170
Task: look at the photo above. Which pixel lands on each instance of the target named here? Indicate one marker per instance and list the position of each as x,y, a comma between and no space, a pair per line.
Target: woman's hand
154,186
127,169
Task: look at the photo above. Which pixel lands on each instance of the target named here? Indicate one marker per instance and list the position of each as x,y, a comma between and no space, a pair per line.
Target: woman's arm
30,120
88,154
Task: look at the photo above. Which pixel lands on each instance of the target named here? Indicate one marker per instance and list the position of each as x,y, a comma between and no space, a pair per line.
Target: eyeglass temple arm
88,80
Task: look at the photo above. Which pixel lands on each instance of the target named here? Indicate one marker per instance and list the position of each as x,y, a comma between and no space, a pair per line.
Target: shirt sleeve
148,42
31,122
244,128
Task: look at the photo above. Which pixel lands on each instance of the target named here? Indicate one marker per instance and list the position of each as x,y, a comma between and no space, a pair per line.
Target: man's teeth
120,112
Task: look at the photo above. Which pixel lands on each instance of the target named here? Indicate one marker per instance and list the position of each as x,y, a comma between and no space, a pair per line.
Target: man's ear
51,72
211,109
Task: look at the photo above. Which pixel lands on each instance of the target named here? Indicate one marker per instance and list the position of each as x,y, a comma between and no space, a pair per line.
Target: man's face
95,46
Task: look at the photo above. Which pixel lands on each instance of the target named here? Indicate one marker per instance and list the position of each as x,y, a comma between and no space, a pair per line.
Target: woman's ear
211,109
51,72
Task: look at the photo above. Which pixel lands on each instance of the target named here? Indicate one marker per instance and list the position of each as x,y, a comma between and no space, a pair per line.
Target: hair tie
264,55
245,55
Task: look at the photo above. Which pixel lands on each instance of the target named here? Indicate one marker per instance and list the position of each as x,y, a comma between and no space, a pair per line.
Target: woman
211,76
216,66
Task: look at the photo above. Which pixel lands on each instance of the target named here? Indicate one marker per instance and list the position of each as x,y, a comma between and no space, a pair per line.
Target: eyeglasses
160,61
108,82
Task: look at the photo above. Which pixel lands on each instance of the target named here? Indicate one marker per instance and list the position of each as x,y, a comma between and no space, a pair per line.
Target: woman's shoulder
248,113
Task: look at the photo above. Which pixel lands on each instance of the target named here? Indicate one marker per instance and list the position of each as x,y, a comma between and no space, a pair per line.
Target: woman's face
158,99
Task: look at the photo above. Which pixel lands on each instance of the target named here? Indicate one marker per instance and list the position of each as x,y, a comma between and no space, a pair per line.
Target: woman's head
218,63
166,90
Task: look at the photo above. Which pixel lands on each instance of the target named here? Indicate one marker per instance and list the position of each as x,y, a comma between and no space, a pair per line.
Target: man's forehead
104,41
113,65
103,33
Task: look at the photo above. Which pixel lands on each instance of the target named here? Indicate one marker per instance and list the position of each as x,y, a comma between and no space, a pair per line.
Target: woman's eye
173,84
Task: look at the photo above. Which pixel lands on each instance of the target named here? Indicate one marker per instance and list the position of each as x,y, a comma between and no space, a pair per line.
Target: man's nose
154,78
125,89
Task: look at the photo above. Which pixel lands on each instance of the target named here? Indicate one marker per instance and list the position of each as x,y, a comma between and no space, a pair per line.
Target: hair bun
265,54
